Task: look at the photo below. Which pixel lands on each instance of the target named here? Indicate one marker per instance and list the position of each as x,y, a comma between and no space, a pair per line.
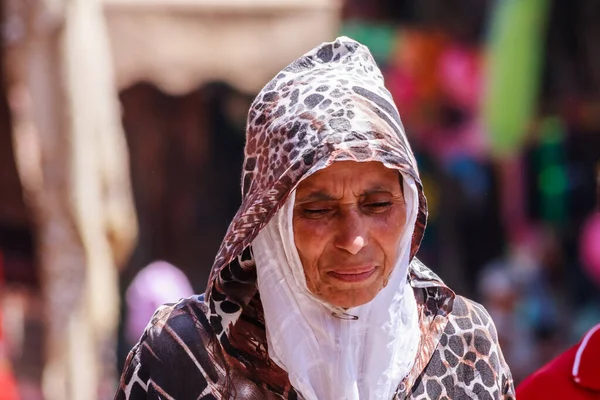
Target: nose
351,233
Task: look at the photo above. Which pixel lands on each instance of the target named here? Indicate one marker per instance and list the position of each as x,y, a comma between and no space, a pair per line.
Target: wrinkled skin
348,221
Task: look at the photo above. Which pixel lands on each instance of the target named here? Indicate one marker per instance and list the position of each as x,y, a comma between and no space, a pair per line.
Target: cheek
310,243
389,233
310,238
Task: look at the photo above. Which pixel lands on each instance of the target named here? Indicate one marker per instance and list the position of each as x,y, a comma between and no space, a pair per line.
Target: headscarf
329,105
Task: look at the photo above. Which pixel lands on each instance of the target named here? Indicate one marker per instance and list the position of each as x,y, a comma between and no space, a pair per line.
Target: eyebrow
321,195
318,195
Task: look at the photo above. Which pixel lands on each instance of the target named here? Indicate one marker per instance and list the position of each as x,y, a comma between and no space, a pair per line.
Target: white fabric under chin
327,357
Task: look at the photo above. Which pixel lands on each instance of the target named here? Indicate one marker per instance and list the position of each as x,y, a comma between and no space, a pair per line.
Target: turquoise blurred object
379,38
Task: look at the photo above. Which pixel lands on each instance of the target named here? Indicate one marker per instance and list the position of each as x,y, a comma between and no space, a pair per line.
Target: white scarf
327,357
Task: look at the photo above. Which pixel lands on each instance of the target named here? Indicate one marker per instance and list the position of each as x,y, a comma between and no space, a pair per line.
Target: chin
353,299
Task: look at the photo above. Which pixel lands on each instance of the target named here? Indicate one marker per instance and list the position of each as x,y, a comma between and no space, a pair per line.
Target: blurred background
121,145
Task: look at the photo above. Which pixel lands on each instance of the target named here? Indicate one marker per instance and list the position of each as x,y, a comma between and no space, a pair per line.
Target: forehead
355,175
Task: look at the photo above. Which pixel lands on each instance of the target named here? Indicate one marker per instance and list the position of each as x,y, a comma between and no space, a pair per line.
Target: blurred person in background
156,284
516,291
573,375
500,295
315,292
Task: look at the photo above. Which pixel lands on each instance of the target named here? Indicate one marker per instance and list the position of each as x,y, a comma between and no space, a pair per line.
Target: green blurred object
379,38
513,71
552,178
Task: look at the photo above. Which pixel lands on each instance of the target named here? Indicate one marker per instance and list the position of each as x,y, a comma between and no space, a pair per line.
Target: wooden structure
65,62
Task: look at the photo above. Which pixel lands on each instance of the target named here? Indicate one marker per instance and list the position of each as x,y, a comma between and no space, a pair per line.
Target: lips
353,275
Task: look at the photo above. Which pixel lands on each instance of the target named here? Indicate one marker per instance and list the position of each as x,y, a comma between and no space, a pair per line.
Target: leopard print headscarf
329,105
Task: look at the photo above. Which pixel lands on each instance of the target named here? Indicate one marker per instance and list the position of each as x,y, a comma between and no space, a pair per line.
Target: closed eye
378,206
316,212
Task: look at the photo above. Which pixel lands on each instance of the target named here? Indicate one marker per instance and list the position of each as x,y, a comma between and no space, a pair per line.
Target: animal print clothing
329,105
180,357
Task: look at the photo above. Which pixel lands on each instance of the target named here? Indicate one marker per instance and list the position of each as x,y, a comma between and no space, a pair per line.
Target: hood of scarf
328,105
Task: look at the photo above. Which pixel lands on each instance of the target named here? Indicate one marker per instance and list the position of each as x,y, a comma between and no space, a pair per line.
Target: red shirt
573,375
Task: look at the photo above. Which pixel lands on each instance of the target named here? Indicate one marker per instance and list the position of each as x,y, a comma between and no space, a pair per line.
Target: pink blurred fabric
460,75
590,247
156,284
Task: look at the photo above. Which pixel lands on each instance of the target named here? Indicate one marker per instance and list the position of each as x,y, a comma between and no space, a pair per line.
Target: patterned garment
329,105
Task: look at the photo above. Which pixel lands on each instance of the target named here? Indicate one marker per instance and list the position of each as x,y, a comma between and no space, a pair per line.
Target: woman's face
348,221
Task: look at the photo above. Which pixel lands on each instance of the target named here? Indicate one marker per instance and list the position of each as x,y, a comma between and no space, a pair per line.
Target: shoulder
467,361
468,325
470,334
179,322
176,355
469,346
468,319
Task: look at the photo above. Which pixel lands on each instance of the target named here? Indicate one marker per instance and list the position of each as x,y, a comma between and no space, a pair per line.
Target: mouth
353,275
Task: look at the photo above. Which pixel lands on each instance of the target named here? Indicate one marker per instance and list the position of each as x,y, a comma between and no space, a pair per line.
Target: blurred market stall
65,62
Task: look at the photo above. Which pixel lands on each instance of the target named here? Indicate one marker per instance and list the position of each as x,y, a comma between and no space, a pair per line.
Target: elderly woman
315,292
